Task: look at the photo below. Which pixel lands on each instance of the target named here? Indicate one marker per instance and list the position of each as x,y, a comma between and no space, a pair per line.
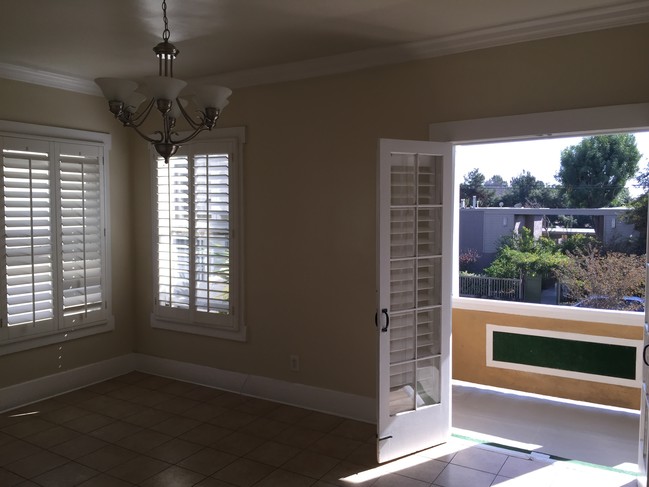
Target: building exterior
482,229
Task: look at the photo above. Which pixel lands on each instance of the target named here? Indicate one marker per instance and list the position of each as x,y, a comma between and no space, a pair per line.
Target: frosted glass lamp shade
163,87
133,101
116,89
213,96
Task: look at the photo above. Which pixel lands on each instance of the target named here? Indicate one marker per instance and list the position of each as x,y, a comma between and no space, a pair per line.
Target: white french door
643,450
413,317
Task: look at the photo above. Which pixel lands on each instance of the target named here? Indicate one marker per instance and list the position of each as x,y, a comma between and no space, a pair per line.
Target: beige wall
310,190
310,196
26,103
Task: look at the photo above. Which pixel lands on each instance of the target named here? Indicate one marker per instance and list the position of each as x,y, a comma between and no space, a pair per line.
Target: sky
542,158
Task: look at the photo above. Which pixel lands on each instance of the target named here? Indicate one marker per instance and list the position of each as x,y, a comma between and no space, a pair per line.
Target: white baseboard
328,401
53,385
342,404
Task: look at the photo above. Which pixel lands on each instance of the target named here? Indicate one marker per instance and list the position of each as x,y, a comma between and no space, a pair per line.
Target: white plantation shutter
54,266
212,233
196,273
173,233
81,233
29,238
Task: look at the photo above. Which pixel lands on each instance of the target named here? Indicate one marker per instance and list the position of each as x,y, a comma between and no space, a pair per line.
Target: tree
497,181
467,259
609,277
594,172
473,185
522,254
638,214
526,190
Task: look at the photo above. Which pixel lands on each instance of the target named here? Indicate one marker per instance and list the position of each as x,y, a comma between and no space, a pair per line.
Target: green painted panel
559,353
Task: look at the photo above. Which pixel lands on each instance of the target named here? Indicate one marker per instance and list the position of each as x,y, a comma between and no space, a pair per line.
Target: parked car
627,303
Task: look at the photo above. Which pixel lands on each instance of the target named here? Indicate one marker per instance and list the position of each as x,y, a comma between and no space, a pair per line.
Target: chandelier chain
165,33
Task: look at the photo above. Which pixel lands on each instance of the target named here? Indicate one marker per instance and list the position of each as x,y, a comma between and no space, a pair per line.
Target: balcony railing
561,351
491,288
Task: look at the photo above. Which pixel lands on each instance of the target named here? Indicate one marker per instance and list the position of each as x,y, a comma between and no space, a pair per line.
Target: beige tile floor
145,430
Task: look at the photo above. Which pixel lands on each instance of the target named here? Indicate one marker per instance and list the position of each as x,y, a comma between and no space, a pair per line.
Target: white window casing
54,271
198,239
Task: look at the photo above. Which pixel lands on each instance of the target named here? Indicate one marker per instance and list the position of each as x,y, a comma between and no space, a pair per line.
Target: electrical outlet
294,362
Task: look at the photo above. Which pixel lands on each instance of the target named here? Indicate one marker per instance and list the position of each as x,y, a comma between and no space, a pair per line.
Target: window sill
238,335
54,337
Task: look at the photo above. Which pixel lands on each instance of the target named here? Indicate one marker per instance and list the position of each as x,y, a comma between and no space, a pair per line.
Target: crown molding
49,79
632,13
635,12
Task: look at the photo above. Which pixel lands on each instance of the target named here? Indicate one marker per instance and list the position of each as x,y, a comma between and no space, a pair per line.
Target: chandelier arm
197,131
146,137
142,116
188,117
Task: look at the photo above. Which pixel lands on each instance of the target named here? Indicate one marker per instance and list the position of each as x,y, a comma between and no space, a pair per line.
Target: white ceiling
243,42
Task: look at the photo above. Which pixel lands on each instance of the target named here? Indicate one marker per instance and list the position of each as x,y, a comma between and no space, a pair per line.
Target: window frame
223,140
61,331
533,126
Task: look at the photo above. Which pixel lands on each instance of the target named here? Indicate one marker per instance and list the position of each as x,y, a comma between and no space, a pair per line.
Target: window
54,279
198,239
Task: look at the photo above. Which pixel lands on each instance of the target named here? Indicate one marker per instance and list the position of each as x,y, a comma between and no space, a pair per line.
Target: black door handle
387,319
644,355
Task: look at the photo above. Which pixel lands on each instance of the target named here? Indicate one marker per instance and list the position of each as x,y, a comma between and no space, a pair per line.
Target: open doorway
491,343
554,220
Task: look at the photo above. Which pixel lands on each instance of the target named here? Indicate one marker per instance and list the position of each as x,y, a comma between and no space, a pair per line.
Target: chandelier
163,91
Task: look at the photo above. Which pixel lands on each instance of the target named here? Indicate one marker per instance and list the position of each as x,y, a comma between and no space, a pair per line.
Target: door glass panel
429,179
402,338
402,285
402,392
402,180
429,231
402,233
428,377
429,276
429,332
